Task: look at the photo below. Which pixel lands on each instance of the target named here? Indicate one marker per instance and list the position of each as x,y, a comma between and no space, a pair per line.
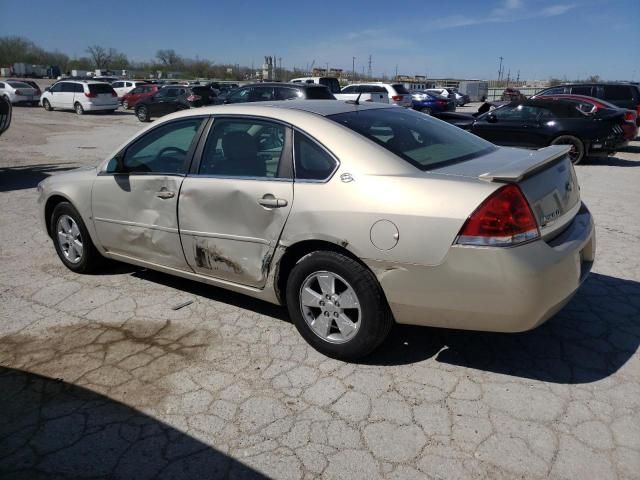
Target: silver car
353,216
19,92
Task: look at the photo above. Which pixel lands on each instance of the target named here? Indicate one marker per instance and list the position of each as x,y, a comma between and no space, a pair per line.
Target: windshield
419,139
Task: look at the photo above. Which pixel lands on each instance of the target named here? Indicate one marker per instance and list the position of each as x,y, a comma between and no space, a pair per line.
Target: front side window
349,89
288,93
553,91
516,113
312,162
68,87
163,150
57,87
424,142
261,94
244,148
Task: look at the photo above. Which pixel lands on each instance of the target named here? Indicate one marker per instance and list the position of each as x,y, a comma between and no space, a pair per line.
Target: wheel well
52,202
295,252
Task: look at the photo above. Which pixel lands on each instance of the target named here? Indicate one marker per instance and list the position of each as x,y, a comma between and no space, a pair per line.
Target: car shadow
630,149
590,339
53,429
610,162
213,293
20,178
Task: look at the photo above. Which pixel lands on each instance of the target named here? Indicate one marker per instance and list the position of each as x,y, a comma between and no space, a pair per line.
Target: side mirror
491,118
47,89
119,158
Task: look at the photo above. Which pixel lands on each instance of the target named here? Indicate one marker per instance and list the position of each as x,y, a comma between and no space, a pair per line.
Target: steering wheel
171,149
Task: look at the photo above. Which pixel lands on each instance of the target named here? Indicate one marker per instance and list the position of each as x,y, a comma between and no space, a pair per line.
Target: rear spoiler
522,167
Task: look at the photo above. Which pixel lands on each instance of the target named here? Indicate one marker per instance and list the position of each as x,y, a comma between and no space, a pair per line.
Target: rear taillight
638,109
396,98
503,219
193,98
90,95
114,94
441,102
630,116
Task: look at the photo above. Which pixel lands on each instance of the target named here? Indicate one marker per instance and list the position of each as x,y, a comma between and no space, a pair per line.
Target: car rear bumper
492,289
92,107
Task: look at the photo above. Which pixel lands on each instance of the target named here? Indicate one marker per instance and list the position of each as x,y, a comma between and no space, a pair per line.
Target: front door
55,97
134,201
235,202
512,125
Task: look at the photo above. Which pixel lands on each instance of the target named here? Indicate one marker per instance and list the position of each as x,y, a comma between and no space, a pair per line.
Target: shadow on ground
590,339
610,162
50,429
20,178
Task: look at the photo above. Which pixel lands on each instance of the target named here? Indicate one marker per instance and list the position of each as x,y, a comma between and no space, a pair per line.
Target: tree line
14,49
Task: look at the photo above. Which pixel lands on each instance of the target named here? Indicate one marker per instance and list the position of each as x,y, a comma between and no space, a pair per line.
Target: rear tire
142,113
78,108
125,105
72,241
342,332
577,152
426,110
46,105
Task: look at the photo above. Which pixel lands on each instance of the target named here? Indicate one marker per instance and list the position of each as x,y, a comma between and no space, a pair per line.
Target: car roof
284,84
319,107
591,84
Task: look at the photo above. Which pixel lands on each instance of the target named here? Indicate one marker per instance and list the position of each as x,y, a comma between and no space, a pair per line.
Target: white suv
398,94
122,87
81,96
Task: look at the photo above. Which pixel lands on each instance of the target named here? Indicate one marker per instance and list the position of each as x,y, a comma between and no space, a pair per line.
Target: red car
630,127
134,96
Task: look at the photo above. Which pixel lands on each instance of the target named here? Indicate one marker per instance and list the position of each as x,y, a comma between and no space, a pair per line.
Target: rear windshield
398,87
415,137
100,88
319,93
331,83
19,85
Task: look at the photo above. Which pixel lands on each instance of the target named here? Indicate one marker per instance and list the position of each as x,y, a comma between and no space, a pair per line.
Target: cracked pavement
100,377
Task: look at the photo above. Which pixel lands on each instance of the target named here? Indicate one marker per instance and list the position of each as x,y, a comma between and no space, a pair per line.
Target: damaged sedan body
353,216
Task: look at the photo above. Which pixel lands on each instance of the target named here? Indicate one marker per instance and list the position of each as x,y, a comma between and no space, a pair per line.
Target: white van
330,82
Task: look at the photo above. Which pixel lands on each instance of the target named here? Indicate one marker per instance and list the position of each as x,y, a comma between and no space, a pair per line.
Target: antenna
356,101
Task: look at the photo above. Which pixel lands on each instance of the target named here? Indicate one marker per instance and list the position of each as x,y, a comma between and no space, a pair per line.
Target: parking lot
110,376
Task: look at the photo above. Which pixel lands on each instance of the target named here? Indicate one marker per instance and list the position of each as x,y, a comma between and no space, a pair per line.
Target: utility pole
500,69
396,72
280,76
508,77
369,72
518,79
327,72
353,68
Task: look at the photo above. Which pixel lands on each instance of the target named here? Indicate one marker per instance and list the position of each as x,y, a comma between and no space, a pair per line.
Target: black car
623,95
267,92
538,123
173,98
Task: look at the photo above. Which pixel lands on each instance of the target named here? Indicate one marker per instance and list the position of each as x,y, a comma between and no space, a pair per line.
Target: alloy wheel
330,307
69,238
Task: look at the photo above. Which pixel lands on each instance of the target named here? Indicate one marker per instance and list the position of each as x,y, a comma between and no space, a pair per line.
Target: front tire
46,105
78,108
125,105
142,113
577,152
72,241
337,305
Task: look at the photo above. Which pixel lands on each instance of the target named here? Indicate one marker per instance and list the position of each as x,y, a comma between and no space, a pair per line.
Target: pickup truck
367,93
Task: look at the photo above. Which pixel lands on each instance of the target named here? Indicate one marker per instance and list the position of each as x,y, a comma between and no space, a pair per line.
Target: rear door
236,200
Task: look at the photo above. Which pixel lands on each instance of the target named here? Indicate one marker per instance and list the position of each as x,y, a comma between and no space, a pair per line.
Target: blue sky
541,38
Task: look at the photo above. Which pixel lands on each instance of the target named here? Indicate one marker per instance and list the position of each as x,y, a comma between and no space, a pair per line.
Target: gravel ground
100,377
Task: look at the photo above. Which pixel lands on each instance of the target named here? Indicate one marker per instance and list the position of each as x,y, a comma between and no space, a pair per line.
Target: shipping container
476,90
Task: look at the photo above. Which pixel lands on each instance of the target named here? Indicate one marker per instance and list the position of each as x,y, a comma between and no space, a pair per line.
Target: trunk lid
546,177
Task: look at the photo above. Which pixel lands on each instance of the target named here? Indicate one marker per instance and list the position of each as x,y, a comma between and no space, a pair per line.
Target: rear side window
618,92
399,88
582,90
19,85
287,93
78,88
553,91
312,162
98,88
349,89
319,93
68,88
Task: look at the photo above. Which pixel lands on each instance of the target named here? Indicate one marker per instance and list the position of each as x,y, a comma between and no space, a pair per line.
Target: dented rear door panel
225,232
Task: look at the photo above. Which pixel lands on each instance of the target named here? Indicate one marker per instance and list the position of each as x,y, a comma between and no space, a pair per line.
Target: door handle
165,194
270,201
